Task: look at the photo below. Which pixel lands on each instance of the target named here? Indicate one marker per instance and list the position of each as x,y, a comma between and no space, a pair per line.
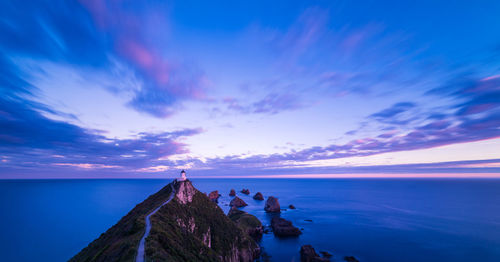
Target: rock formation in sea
308,254
272,205
326,254
258,196
214,196
188,228
232,193
284,228
245,191
237,202
247,222
291,206
350,259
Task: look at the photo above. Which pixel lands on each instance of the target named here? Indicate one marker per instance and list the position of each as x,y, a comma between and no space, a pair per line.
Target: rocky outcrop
247,222
308,254
350,259
326,254
185,191
214,196
291,206
258,196
272,205
284,228
232,193
245,191
189,228
237,202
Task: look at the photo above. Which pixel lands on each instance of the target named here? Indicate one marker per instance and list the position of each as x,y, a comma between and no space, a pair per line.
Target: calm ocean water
372,219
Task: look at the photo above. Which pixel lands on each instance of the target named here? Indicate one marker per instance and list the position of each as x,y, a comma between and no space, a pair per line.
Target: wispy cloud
98,34
28,139
449,128
271,104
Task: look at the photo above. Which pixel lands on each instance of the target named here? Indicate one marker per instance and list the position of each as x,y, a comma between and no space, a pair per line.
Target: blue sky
143,89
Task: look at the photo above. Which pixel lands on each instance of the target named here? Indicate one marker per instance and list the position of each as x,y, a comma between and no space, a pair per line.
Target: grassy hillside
119,243
188,228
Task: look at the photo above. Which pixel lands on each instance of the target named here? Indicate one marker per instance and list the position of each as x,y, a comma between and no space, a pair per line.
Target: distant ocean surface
371,219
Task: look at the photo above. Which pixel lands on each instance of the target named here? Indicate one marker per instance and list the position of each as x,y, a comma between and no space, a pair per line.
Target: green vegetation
184,232
194,231
120,242
247,222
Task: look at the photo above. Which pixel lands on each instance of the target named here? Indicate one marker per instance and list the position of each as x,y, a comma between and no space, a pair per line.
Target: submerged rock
350,259
308,254
214,196
232,193
258,196
237,202
272,205
291,206
326,254
245,191
247,222
284,228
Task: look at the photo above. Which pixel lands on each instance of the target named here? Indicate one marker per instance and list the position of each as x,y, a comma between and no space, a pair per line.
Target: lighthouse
182,177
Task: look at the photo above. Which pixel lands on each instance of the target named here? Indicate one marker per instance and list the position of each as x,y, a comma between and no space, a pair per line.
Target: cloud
394,110
97,35
475,167
273,103
29,139
428,135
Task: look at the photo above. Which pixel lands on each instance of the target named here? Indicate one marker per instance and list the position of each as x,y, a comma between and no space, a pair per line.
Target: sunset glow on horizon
142,89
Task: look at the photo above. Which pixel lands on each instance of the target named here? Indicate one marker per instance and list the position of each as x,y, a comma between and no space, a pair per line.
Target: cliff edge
188,228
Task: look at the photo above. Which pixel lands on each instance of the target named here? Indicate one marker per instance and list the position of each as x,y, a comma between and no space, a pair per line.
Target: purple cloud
452,167
434,134
271,104
97,34
394,110
28,139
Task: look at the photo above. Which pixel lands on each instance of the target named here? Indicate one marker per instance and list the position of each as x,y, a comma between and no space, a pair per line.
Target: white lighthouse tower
182,177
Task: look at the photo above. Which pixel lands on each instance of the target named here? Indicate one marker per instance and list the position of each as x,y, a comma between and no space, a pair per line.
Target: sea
408,220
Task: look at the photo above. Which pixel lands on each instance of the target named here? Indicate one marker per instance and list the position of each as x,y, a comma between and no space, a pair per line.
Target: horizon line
289,176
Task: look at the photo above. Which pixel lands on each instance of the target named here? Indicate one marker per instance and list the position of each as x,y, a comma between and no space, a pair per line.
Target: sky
118,89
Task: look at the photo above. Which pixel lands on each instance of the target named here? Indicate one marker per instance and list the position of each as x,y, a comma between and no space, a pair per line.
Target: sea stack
308,254
214,196
258,196
237,202
284,228
272,205
232,193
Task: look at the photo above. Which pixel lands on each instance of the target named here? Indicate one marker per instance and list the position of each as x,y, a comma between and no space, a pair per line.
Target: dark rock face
237,202
247,222
308,254
188,228
291,206
258,196
272,205
350,259
214,196
326,254
232,193
245,191
284,228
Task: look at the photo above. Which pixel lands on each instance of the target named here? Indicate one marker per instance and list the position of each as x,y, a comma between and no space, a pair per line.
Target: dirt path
140,250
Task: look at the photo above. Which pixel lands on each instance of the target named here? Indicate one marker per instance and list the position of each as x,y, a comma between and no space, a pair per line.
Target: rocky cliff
188,228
